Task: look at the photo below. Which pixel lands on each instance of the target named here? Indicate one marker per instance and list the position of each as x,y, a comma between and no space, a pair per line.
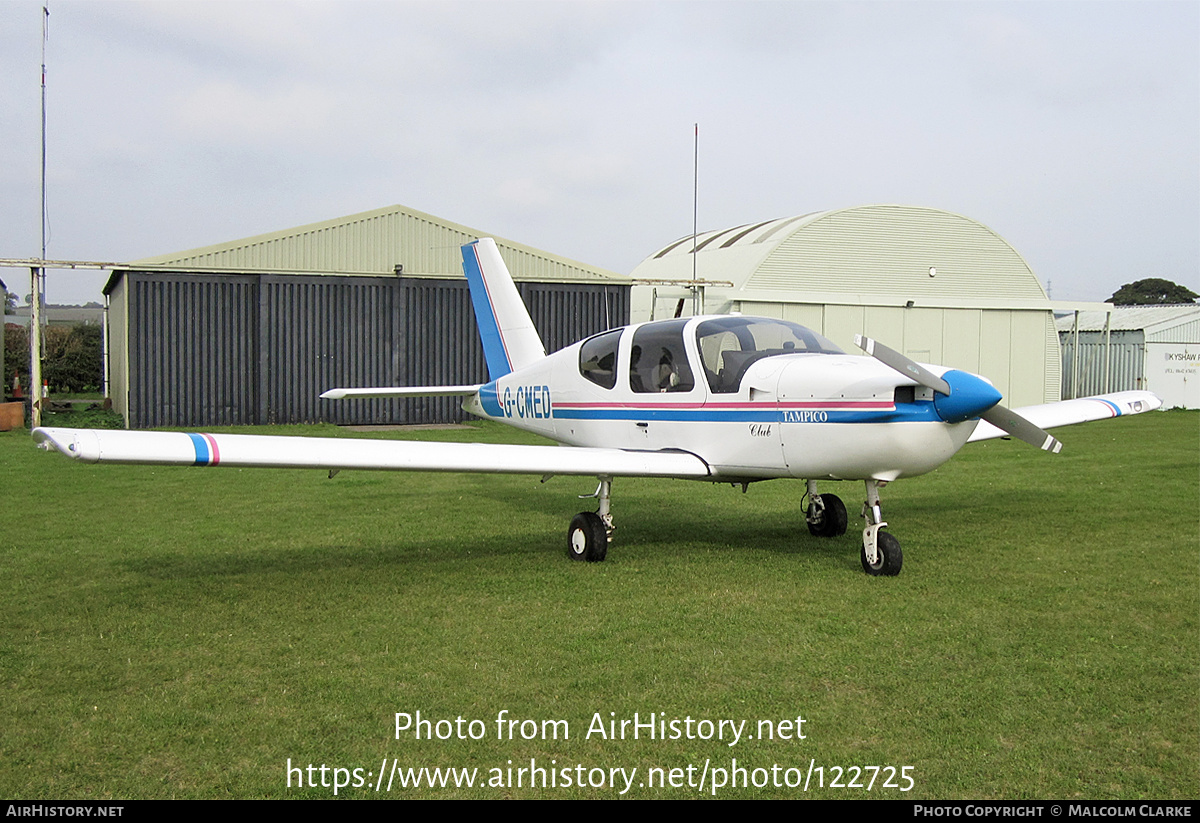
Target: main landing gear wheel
587,539
826,516
889,558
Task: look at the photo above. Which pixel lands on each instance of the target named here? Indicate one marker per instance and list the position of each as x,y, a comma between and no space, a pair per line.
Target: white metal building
935,285
1134,347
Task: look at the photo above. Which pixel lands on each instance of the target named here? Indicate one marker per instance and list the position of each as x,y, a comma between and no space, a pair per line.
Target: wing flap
195,449
1080,410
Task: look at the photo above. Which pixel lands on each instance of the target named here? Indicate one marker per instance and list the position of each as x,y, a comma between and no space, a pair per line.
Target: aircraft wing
192,449
401,391
1080,410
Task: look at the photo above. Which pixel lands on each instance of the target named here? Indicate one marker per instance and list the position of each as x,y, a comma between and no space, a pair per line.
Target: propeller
961,396
1008,420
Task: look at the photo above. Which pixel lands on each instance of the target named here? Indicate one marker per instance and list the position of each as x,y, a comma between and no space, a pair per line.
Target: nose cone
970,396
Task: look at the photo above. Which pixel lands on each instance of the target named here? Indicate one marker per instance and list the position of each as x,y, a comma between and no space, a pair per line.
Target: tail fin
509,338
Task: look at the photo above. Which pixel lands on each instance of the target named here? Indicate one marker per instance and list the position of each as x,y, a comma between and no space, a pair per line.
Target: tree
1150,291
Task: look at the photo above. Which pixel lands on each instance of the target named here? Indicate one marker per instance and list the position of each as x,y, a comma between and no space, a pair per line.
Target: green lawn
177,632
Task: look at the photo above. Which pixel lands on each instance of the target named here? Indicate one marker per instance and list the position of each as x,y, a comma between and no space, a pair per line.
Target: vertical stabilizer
510,340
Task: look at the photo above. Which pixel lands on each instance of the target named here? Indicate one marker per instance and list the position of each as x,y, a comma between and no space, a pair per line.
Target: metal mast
38,273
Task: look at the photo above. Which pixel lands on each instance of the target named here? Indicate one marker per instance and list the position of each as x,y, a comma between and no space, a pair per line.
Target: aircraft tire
833,520
890,557
587,539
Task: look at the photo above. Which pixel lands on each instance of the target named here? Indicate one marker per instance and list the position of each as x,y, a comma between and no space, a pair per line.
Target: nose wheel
888,557
881,553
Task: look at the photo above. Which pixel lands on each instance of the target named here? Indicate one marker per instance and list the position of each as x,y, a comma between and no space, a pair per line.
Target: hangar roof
1162,323
876,252
375,242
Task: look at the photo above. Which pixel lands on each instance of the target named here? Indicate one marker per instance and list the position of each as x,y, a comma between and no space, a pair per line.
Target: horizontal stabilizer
192,449
1080,410
401,391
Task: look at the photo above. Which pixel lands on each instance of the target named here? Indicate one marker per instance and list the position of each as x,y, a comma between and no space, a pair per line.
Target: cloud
237,115
1067,62
569,125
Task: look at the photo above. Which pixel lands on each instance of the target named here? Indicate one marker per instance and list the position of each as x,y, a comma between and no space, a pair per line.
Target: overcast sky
1071,129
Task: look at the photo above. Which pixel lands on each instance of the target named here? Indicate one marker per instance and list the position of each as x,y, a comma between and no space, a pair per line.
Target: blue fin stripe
485,316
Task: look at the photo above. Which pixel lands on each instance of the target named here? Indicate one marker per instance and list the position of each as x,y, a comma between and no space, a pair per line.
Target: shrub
72,358
16,356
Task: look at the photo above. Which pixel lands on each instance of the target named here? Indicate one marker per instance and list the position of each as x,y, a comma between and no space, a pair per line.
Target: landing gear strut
590,532
881,553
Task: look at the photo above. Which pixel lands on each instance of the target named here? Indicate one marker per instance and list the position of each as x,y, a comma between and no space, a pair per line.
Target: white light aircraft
726,399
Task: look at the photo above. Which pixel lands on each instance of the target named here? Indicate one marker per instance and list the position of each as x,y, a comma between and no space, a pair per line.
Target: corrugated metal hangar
252,331
1134,347
938,286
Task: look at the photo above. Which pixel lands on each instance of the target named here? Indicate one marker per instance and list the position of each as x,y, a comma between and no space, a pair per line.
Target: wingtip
63,441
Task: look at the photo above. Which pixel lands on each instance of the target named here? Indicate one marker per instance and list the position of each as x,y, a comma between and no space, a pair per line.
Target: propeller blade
897,361
985,407
1020,428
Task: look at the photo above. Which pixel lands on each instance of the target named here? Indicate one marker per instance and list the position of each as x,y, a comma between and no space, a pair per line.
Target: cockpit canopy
727,346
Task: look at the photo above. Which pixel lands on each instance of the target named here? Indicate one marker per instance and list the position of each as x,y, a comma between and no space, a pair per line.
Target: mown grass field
185,632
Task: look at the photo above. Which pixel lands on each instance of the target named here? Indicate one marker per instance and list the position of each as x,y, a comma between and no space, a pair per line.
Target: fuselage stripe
915,412
749,406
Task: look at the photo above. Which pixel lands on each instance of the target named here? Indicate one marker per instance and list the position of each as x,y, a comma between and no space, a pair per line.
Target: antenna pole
38,274
696,309
45,27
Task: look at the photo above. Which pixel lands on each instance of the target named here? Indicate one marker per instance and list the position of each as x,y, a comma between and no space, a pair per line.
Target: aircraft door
664,387
742,380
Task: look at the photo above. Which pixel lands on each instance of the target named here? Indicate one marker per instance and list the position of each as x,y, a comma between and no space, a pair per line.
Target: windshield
728,345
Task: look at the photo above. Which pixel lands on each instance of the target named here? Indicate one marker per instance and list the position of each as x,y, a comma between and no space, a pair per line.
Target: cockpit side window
729,345
658,361
598,358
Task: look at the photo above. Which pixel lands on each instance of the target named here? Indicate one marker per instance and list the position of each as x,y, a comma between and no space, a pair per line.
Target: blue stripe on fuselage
490,400
903,413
